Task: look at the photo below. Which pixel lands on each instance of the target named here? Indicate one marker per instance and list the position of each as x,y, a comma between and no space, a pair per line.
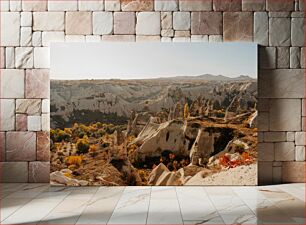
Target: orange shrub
74,160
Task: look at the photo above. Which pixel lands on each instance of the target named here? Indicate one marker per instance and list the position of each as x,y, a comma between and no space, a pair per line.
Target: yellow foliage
72,167
186,111
67,175
74,160
92,148
82,145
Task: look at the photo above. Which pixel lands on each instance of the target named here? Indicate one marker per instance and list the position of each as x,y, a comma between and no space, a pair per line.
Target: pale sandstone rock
201,5
168,5
283,57
92,38
267,57
215,38
9,57
28,106
10,28
21,146
166,20
156,133
148,23
12,83
281,83
34,123
124,22
26,19
102,23
48,21
58,177
21,122
297,32
58,5
273,5
49,36
39,172
147,38
290,136
279,32
25,36
34,5
161,176
137,5
300,138
167,33
14,172
293,172
265,152
206,23
202,147
228,5
285,115
37,38
300,153
45,108
41,57
75,38
45,122
112,5
91,5
120,38
284,151
238,26
36,85
78,23
199,38
295,57
7,114
253,5
227,177
15,6
181,20
275,136
261,28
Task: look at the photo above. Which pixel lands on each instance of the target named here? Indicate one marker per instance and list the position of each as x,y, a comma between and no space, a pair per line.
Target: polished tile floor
41,204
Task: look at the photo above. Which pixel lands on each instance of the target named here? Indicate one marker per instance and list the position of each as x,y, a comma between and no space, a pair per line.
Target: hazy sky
111,60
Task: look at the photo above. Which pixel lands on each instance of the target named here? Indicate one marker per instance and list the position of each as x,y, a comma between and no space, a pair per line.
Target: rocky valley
170,131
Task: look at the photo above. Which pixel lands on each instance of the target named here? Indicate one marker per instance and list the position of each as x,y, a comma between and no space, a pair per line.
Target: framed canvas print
153,114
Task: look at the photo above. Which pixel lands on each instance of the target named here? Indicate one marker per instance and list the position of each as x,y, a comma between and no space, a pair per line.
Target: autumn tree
186,111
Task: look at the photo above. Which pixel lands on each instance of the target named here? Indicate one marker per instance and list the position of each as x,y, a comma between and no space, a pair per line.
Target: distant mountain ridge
204,77
210,77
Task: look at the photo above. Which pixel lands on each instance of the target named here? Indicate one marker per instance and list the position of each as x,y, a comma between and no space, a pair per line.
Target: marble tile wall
28,27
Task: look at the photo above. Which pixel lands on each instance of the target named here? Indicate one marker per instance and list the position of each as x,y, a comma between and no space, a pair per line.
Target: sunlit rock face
113,101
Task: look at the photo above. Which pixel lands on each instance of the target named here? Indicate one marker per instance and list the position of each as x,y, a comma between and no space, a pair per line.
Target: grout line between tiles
116,204
149,205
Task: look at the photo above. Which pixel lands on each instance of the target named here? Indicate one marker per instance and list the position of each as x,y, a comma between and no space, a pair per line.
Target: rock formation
202,147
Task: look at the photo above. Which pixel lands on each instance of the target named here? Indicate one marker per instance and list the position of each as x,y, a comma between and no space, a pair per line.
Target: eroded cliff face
112,101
